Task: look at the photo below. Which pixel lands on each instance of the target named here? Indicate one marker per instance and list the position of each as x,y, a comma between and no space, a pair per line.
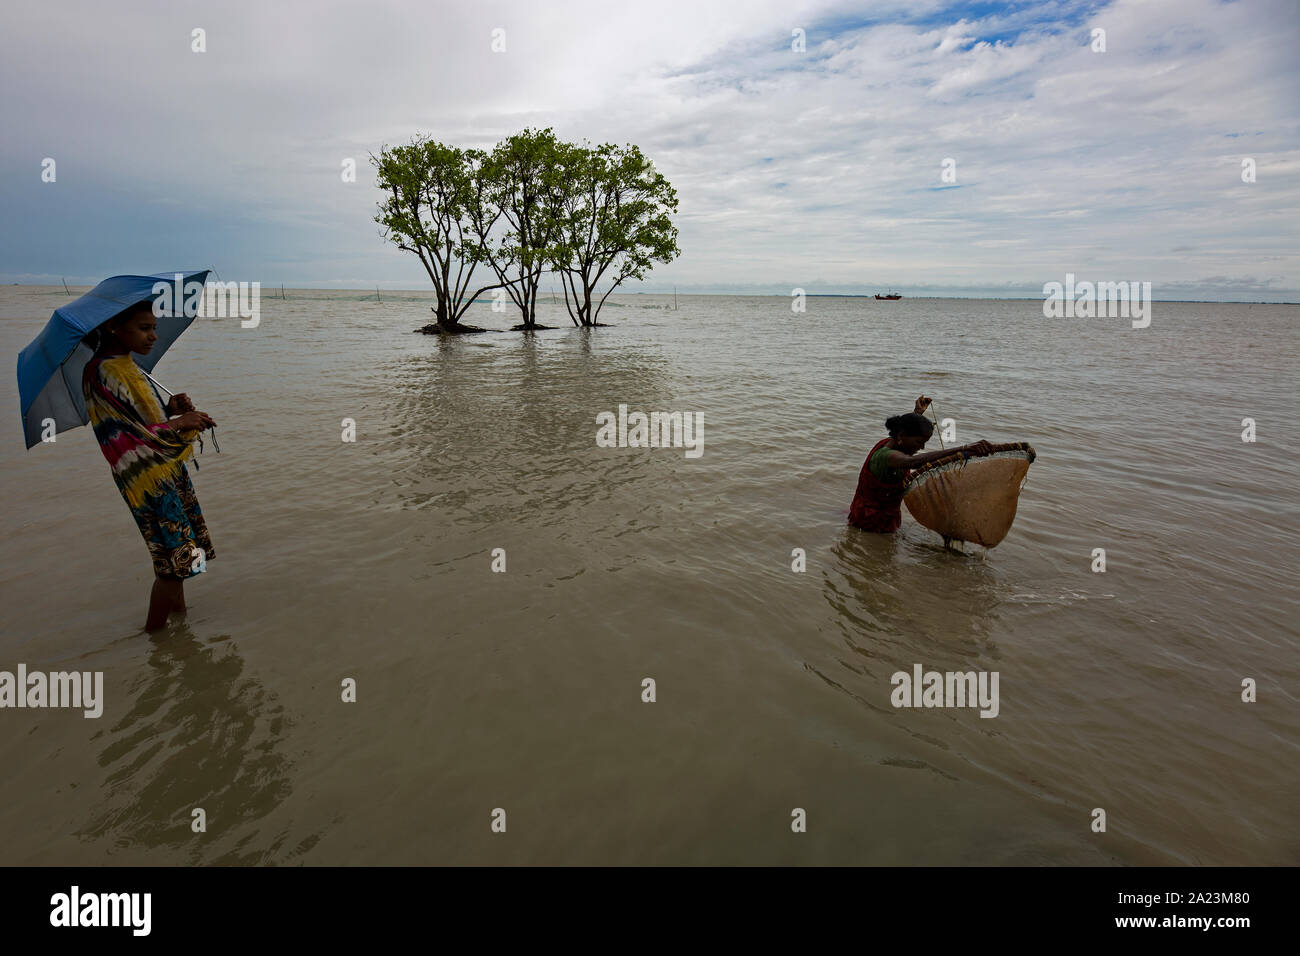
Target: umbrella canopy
50,367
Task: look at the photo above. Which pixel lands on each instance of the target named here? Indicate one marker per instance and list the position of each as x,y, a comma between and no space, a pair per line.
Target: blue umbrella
50,367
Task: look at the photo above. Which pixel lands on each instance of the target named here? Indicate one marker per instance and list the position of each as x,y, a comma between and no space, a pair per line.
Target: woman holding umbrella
146,451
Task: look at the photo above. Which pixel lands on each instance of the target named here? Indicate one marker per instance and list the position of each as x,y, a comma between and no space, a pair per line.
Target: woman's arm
896,459
186,426
190,421
178,404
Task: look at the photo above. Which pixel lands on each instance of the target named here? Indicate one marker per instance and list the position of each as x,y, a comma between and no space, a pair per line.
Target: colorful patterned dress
147,459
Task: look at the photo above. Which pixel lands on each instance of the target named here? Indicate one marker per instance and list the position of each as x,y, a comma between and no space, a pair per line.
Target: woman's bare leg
162,600
178,604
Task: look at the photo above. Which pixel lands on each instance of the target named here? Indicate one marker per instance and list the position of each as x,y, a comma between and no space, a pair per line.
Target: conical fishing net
970,499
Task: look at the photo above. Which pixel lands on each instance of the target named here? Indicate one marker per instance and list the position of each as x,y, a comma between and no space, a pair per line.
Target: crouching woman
884,475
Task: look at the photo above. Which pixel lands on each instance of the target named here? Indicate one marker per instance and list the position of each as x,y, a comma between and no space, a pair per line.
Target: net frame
957,460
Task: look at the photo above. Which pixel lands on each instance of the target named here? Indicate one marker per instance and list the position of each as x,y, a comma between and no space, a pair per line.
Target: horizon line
370,290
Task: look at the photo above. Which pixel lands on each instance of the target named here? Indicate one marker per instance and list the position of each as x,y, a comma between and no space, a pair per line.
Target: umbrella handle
170,394
158,384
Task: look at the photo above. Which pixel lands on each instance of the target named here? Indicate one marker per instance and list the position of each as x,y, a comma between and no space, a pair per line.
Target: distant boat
891,297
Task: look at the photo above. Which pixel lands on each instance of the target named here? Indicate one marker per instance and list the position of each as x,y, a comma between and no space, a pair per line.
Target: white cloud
823,164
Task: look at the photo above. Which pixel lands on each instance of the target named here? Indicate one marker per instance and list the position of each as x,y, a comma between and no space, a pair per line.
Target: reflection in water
507,429
901,601
629,562
911,597
198,734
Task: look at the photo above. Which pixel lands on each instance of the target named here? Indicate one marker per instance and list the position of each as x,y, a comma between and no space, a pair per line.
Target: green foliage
591,215
613,219
433,204
520,183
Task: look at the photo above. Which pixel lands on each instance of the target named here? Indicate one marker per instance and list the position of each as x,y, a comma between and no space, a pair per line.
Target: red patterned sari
876,504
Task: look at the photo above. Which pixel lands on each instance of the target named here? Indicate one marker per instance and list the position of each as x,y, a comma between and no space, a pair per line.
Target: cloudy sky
819,169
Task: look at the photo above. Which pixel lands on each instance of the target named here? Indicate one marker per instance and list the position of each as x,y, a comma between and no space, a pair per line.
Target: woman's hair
100,336
96,338
909,424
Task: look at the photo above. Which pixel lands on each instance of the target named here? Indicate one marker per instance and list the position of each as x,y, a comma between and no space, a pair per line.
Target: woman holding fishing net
975,504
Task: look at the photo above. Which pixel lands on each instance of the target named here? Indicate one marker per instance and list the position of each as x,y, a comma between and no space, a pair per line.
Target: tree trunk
444,314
